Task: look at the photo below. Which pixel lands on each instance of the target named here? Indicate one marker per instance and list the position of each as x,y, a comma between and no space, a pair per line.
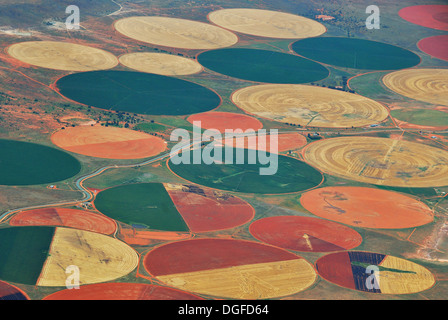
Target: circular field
172,207
305,234
361,207
436,46
233,269
266,23
177,33
430,16
309,105
160,63
10,292
427,85
394,275
422,117
121,291
62,217
356,53
108,142
41,255
380,161
138,92
222,121
263,66
62,56
283,174
24,163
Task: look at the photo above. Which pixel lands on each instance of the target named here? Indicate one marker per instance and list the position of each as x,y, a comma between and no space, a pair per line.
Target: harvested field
436,46
108,142
266,23
380,161
62,56
160,63
174,32
430,16
222,121
309,105
428,85
367,207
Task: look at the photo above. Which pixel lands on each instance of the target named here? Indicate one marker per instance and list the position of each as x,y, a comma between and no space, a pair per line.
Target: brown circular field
266,23
428,85
78,219
221,121
62,56
10,292
394,275
227,268
108,142
174,32
436,46
121,291
160,63
309,105
380,161
305,234
367,207
430,16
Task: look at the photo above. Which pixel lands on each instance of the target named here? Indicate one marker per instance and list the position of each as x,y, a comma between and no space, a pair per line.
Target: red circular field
121,291
436,46
367,207
221,121
10,292
430,16
305,234
78,219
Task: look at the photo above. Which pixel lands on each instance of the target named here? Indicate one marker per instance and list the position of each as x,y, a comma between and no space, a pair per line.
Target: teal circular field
422,117
138,92
356,53
263,66
285,176
23,163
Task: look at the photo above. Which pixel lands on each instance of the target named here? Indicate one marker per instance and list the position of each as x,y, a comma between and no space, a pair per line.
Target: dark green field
146,205
23,251
423,117
23,163
292,175
356,53
138,92
262,66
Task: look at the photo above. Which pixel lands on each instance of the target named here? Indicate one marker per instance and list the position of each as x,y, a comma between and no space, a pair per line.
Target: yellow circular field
380,161
266,23
428,85
160,63
62,56
177,33
309,105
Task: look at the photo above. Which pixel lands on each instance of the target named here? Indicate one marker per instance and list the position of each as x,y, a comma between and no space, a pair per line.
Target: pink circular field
430,16
436,46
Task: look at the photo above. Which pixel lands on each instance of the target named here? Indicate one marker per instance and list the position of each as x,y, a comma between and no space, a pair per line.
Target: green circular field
422,117
291,175
263,66
138,92
23,163
356,53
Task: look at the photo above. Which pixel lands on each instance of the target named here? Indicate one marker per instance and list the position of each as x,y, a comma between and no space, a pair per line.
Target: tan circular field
174,32
266,23
380,161
309,105
62,56
428,85
160,63
108,142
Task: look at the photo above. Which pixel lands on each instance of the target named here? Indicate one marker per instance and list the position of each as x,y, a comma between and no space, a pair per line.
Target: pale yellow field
255,281
174,32
309,105
62,56
99,258
380,161
428,85
160,63
266,23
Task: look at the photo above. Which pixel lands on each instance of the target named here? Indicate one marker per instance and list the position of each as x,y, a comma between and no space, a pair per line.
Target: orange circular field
108,142
367,207
221,121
